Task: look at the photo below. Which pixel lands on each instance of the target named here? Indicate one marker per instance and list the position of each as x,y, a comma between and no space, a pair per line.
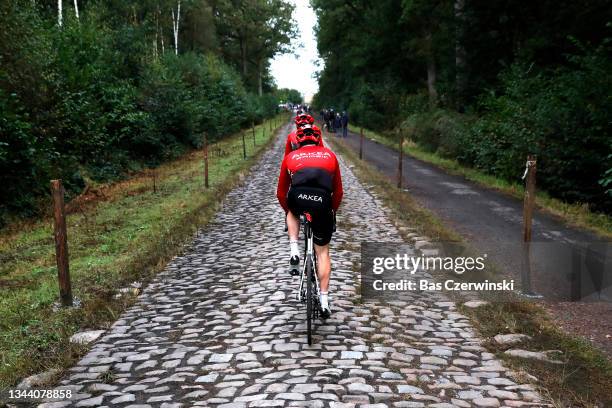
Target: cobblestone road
221,327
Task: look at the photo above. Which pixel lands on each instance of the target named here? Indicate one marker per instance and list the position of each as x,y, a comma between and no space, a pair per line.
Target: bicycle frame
309,255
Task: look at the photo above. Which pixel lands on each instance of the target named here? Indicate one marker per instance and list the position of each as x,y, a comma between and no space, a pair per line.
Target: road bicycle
308,291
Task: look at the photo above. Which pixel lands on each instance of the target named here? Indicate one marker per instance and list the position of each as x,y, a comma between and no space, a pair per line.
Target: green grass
584,380
126,234
574,214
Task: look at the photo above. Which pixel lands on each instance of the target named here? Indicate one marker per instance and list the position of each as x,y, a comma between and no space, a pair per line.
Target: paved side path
493,224
221,327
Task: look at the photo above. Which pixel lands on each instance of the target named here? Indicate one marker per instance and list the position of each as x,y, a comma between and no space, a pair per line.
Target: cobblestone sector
221,326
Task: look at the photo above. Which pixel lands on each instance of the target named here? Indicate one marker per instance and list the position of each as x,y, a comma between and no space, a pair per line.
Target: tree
251,32
176,20
272,36
426,18
89,97
460,53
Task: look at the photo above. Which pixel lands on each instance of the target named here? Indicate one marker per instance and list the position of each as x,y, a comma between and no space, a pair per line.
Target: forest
482,82
92,90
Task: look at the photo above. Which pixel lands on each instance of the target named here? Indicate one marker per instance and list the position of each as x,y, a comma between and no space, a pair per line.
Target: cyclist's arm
284,182
338,193
288,145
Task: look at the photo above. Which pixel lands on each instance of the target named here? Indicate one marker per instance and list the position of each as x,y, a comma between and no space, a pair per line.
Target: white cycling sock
324,298
295,250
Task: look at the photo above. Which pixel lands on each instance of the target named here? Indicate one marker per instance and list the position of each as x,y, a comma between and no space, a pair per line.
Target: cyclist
301,121
311,171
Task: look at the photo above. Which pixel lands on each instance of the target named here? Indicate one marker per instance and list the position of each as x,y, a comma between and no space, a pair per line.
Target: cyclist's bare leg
323,266
293,226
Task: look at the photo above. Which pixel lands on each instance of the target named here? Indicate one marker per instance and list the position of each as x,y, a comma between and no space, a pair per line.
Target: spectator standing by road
330,120
344,120
337,121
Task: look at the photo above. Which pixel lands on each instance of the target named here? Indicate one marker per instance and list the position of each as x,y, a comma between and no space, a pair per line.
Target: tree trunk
174,32
161,32
260,79
243,55
431,70
59,13
460,54
155,51
175,25
76,9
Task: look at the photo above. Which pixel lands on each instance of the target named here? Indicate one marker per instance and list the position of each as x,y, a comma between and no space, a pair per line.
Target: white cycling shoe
294,264
325,308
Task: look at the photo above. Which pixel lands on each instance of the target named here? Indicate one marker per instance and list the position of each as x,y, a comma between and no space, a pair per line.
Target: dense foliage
483,82
108,92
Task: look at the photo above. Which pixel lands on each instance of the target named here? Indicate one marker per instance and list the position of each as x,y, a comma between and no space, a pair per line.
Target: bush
260,107
562,116
438,131
85,102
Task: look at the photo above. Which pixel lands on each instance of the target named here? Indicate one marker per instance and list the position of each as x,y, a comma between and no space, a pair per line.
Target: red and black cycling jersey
292,143
311,166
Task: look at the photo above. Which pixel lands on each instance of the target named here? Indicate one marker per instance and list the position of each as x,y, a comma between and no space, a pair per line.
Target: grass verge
574,214
117,234
585,378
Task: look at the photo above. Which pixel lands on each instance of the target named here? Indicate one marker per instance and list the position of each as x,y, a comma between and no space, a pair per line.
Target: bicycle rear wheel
309,300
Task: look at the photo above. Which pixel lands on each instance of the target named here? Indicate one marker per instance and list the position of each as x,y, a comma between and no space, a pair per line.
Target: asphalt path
491,222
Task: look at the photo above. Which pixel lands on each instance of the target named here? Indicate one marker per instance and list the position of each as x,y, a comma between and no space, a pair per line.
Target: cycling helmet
303,124
308,135
304,117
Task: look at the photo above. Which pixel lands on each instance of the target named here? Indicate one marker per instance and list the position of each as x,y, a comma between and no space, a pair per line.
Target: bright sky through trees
296,71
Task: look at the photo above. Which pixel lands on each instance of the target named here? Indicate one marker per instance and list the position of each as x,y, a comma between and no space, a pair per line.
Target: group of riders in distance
310,185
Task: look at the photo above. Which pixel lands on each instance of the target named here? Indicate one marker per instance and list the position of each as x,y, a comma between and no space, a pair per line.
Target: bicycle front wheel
309,294
310,299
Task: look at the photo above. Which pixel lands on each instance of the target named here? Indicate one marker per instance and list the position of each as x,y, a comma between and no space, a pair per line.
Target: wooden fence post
529,200
401,159
253,130
528,205
243,146
61,243
205,161
361,143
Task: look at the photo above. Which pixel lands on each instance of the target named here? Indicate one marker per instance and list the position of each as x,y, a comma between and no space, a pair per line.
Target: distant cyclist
311,170
301,121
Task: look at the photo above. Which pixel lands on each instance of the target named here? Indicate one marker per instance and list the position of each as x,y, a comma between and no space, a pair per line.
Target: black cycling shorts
322,215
